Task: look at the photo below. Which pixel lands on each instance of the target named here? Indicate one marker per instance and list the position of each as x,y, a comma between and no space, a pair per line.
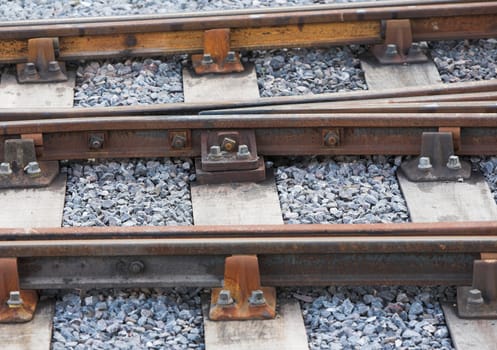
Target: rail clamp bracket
16,305
398,47
20,168
479,300
41,66
229,156
242,297
217,56
437,161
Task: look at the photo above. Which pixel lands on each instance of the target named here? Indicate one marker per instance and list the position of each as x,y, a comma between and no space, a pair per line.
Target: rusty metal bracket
218,56
242,297
229,156
16,305
41,66
398,47
479,300
437,161
20,167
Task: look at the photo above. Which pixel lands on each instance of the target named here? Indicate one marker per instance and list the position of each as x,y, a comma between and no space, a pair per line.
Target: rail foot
242,297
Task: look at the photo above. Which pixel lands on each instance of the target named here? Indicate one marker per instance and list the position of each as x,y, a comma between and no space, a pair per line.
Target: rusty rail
290,28
441,253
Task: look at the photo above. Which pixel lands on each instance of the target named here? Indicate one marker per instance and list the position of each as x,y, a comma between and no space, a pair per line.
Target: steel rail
359,25
434,253
210,13
466,91
276,134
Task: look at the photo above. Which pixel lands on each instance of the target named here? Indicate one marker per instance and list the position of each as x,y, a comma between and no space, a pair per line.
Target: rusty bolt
179,141
224,298
14,300
231,57
96,142
30,68
475,297
228,144
136,267
207,59
391,50
33,168
5,168
257,298
53,66
331,138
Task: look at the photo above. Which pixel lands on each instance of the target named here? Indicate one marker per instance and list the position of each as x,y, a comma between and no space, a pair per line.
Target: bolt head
225,298
136,267
475,297
53,66
96,142
332,138
231,56
15,299
33,168
5,168
30,68
453,163
391,50
207,59
228,144
179,141
424,163
257,298
243,152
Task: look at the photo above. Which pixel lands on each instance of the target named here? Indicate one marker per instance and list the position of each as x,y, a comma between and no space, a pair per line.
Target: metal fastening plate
241,282
12,309
26,171
484,281
42,66
437,161
398,47
229,156
217,56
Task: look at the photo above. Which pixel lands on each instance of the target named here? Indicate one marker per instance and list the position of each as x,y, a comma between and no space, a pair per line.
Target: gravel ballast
320,190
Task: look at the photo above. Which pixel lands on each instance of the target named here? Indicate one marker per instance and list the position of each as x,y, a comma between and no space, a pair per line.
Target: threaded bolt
475,297
224,298
33,168
424,163
179,141
30,68
207,59
231,57
5,168
136,267
243,152
257,298
454,163
53,66
15,299
331,138
391,50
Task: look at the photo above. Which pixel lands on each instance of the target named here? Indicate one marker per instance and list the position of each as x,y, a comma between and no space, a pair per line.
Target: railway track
391,122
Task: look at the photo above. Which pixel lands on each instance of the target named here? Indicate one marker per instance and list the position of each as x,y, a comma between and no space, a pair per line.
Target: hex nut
224,298
5,168
475,297
243,152
331,138
96,142
228,144
257,298
136,267
15,299
424,163
178,141
33,168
